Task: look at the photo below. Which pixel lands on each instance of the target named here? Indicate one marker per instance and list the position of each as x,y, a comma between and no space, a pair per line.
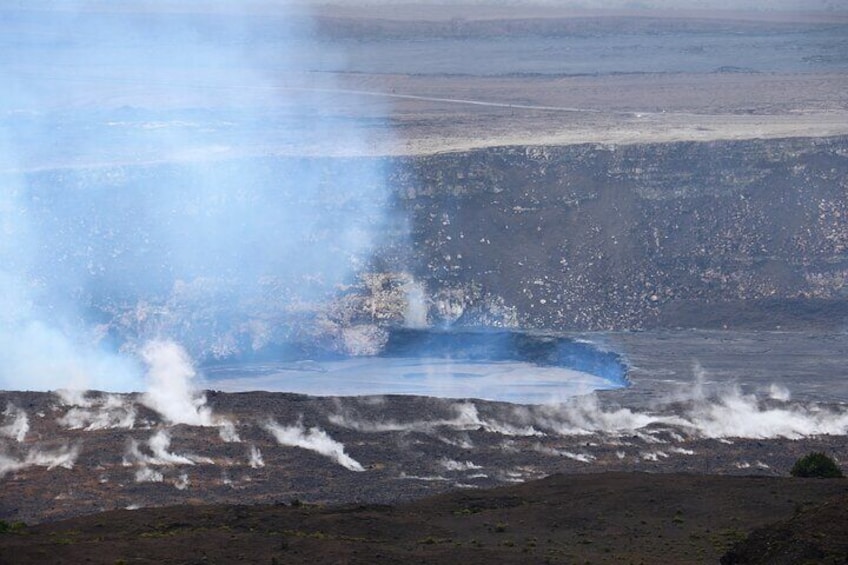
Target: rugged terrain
577,170
704,189
598,518
747,234
68,454
696,234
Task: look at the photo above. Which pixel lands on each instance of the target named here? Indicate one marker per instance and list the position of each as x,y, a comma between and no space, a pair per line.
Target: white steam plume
159,443
467,418
64,457
227,431
584,415
451,465
104,419
720,413
582,457
141,192
145,474
18,427
314,439
415,315
75,397
727,412
255,459
426,478
182,482
108,411
734,414
697,412
170,390
779,392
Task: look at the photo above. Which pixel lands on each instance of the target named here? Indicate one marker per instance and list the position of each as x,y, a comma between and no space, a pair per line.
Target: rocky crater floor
68,454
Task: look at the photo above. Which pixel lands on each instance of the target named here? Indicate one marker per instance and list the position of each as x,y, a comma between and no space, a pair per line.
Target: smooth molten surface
501,366
517,382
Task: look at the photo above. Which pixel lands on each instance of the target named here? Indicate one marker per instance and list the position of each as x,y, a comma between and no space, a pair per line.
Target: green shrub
13,527
816,464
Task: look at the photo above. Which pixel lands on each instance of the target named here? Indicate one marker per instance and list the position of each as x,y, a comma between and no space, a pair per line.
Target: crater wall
743,234
588,237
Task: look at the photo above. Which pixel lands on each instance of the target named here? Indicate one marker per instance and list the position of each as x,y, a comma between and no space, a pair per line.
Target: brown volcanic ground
617,493
700,402
407,447
599,518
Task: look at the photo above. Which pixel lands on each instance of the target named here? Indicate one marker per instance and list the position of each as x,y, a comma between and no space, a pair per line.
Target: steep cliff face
745,233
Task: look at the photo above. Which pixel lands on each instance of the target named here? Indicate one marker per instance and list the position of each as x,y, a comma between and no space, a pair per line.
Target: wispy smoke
107,411
585,415
451,465
314,439
779,392
467,418
699,412
159,181
159,443
255,459
426,478
170,389
735,414
182,482
17,423
145,474
64,457
227,431
415,315
582,457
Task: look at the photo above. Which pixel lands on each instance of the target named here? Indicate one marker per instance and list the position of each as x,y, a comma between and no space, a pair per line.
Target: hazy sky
758,5
272,5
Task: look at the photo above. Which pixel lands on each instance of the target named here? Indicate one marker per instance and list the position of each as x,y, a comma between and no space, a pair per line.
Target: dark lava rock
818,534
695,234
600,518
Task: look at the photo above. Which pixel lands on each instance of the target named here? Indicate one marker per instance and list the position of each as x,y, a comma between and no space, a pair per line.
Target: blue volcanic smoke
142,190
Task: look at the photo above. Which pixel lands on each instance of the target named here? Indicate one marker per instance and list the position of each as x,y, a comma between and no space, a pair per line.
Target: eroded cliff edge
585,237
744,234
